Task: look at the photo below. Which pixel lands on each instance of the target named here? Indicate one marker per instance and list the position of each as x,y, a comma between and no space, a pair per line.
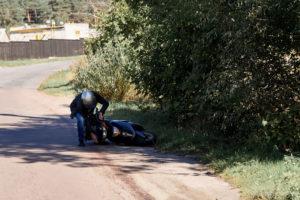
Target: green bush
230,67
103,72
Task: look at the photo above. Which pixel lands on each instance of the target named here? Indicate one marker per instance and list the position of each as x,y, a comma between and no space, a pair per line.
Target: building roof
36,29
70,31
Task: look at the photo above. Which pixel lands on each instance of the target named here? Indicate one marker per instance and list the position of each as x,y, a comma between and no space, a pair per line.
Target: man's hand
101,116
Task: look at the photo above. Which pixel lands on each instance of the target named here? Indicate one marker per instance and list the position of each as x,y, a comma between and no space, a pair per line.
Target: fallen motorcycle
117,131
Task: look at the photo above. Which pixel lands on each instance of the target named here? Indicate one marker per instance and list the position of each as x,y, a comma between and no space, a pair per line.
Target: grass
267,179
22,62
58,84
259,172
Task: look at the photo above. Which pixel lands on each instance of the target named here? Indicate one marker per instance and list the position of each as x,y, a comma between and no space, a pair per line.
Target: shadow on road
53,139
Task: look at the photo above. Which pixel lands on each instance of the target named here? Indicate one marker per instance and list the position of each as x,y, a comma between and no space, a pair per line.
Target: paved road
39,159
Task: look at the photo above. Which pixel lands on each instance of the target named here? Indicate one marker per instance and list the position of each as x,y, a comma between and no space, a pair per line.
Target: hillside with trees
18,12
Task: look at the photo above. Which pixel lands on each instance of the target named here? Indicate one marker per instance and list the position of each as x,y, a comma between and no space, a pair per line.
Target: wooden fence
40,49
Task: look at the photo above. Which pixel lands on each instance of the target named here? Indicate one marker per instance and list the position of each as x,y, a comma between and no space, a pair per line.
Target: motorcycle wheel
150,138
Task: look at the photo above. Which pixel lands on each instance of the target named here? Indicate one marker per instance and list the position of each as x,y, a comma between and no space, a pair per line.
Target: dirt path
39,159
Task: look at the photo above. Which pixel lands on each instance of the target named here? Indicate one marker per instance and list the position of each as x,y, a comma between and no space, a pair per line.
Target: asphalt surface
39,159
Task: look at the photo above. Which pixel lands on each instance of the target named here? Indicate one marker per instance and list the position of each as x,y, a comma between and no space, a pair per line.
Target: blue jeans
80,126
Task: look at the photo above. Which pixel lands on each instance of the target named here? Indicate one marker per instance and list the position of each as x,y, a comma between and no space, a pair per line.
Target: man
84,104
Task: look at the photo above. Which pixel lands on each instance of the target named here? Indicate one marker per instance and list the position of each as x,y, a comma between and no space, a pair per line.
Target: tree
230,67
10,13
14,12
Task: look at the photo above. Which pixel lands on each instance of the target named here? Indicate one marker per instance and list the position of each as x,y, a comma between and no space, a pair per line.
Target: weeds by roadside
59,83
22,62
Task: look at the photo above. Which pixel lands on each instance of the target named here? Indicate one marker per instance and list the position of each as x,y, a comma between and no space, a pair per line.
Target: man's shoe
81,144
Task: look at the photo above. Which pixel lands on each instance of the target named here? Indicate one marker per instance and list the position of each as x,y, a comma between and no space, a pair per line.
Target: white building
3,35
69,31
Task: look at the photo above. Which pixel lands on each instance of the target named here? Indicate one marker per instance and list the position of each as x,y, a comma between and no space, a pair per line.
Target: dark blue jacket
77,106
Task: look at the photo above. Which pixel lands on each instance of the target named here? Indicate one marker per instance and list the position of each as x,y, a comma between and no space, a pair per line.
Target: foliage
229,67
104,73
9,13
109,57
14,12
